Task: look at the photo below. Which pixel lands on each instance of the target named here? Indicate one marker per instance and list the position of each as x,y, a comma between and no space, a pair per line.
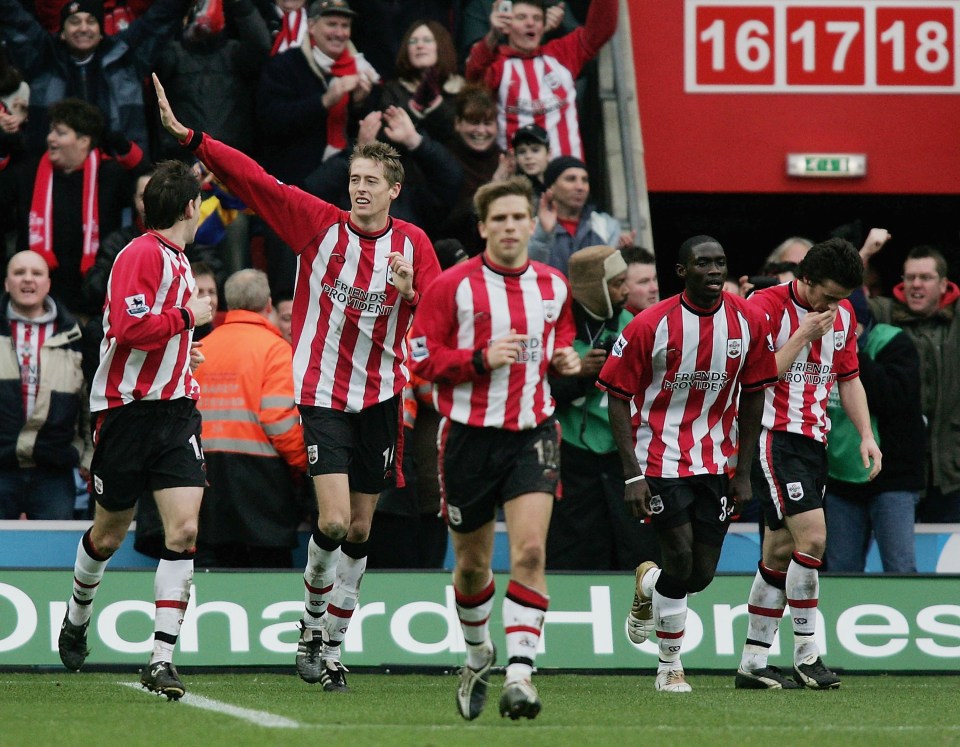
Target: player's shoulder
453,276
542,268
412,231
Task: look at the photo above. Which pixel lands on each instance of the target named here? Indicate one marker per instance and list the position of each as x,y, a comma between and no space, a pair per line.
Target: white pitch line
260,718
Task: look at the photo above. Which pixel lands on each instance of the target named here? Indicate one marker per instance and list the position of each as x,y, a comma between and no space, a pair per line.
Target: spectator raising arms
534,83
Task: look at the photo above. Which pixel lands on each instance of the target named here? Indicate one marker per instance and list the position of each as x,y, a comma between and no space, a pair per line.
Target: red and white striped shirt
473,304
28,337
349,322
145,353
540,88
683,368
798,404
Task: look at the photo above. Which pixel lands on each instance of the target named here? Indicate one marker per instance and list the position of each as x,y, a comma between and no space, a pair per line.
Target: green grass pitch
235,709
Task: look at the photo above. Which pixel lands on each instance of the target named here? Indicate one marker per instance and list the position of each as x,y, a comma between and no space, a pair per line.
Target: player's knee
335,530
183,536
531,557
698,582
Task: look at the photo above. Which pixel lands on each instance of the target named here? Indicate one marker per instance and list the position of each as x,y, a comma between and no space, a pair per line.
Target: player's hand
402,275
871,456
740,492
566,361
592,362
170,123
505,350
201,309
637,497
816,324
196,357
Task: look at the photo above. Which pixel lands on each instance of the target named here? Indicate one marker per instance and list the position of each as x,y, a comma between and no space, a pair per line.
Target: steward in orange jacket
252,438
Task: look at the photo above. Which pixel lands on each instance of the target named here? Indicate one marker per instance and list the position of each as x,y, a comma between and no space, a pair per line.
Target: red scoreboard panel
727,88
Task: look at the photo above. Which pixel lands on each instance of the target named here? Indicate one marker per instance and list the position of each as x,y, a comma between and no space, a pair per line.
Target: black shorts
700,501
482,468
789,475
143,446
360,445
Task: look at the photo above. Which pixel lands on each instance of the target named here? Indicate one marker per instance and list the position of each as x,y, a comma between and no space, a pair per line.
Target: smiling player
352,305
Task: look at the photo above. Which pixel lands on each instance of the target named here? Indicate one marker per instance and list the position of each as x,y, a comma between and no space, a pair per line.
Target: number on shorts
197,450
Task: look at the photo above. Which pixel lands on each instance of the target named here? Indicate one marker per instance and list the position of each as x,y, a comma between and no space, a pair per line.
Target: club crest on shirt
418,349
617,350
734,348
839,338
551,310
137,305
552,81
794,491
656,504
312,454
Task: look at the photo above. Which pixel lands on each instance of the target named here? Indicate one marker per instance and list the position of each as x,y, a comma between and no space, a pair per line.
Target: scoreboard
798,96
808,46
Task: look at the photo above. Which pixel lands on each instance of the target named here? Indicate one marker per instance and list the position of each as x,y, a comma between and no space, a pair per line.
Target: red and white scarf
41,212
293,29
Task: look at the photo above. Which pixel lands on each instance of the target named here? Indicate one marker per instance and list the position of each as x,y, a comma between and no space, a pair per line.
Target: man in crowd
591,528
534,83
927,306
45,425
565,220
689,367
251,434
490,329
643,291
352,306
147,426
813,331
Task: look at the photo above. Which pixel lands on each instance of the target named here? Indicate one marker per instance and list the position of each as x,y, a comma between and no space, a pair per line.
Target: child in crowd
532,152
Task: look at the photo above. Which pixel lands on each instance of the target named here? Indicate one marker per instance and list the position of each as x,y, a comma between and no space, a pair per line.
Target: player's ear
681,271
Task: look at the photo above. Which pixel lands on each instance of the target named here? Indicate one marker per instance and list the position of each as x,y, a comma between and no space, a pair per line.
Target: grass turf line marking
260,718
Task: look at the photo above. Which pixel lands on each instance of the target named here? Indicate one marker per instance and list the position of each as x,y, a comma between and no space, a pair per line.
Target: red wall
905,118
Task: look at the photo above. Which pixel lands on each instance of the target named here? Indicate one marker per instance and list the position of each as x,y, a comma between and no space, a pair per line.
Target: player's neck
178,234
375,224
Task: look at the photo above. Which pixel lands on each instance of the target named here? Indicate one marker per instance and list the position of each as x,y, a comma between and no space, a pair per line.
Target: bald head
28,283
248,290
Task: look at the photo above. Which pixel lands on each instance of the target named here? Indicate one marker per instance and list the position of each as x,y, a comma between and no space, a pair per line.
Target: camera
505,6
606,345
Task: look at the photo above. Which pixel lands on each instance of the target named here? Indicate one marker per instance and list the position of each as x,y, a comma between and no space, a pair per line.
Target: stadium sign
409,619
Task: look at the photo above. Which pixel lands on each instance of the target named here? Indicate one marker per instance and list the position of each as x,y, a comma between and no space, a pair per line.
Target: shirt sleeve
622,372
847,364
134,282
760,366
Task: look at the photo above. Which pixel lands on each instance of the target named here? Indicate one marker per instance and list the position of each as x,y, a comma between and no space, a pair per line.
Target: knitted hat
589,270
449,252
557,166
93,7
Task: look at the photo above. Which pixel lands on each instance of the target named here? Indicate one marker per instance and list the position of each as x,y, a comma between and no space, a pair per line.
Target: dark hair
474,104
383,154
928,252
687,247
515,185
535,3
775,268
446,53
78,115
834,259
202,268
165,199
637,255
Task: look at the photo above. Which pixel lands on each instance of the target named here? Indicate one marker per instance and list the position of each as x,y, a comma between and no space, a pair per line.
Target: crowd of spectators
468,92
